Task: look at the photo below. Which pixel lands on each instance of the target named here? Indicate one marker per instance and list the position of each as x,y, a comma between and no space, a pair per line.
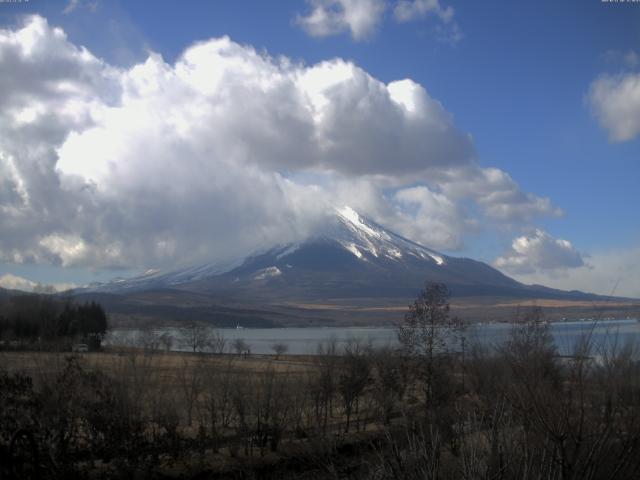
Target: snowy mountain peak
350,256
349,231
361,236
352,218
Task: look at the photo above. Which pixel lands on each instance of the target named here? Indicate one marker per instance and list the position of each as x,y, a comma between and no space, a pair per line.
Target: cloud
629,59
14,282
361,18
539,251
496,193
430,218
51,88
407,10
331,17
73,5
612,272
225,151
615,102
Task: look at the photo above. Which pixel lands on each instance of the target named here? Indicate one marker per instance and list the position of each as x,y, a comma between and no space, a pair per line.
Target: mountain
351,257
157,279
351,272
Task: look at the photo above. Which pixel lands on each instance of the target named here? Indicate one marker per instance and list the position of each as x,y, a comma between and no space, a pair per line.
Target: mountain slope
352,272
351,257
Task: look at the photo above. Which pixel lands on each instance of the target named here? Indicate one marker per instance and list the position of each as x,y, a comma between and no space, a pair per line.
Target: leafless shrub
196,337
217,402
279,348
353,378
323,383
150,340
166,341
391,378
218,343
190,378
240,346
272,408
410,455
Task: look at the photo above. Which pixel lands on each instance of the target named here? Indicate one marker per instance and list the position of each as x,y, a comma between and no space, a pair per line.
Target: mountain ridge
351,256
351,272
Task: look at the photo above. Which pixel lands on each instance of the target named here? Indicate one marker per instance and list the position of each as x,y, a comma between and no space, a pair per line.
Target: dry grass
164,364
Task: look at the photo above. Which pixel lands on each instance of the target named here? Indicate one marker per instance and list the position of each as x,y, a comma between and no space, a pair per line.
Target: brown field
472,309
128,413
546,302
166,366
186,386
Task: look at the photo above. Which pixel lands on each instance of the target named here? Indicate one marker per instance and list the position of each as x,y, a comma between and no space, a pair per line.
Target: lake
306,340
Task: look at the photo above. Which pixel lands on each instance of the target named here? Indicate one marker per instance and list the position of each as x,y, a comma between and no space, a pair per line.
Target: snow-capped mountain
155,279
351,256
352,271
364,239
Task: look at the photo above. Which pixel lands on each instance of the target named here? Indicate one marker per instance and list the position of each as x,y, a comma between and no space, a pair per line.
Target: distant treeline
45,319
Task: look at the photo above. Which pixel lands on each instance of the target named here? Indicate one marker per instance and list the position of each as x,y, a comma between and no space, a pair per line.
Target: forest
46,322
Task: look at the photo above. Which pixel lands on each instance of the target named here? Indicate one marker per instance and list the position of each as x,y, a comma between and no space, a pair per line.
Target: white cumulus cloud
611,272
361,18
407,10
539,251
615,102
222,152
496,193
15,282
431,218
331,17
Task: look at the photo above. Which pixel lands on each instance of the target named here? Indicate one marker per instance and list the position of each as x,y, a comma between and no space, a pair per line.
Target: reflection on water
306,340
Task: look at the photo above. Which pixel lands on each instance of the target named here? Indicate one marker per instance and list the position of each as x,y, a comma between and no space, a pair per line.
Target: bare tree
166,340
390,381
279,348
149,340
242,392
196,337
530,350
354,377
218,343
191,380
240,346
218,406
323,382
425,333
271,407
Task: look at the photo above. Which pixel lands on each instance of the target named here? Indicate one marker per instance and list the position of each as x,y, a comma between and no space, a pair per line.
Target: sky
138,135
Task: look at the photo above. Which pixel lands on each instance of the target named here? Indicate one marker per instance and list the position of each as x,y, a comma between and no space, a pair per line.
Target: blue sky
538,86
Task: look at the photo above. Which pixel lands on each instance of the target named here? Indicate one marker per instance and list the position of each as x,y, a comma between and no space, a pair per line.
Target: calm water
306,340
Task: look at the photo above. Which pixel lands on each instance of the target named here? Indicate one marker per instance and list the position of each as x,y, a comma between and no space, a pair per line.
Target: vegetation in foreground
423,411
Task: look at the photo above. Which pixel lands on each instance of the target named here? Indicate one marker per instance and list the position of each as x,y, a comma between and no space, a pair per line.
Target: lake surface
306,340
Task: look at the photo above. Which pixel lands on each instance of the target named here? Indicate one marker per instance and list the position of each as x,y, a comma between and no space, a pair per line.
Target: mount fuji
352,257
